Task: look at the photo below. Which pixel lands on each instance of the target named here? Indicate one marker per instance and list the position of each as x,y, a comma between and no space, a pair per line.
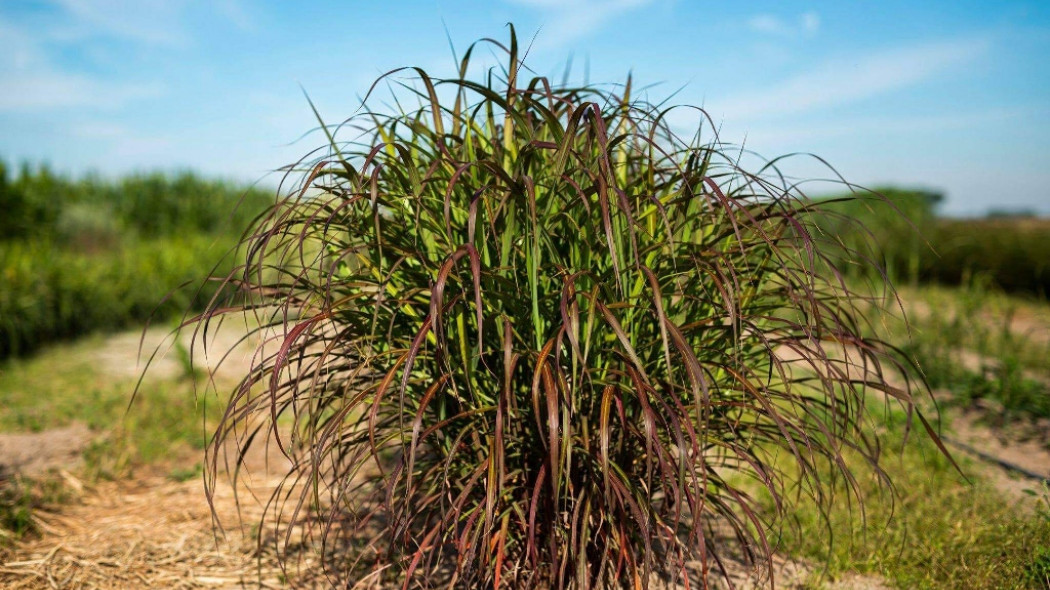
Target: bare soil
1030,321
152,532
35,453
225,351
1017,446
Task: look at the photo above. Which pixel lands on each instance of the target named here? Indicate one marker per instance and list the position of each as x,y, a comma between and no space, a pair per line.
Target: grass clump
16,509
530,337
886,230
53,293
1010,252
93,212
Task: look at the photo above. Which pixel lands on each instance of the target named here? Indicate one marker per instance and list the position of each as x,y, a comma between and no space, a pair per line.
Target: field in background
89,256
917,246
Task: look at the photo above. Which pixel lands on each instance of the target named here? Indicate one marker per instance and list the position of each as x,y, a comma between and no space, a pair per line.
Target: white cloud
100,130
844,81
53,89
29,81
566,20
810,22
32,80
806,24
238,15
879,126
767,23
149,22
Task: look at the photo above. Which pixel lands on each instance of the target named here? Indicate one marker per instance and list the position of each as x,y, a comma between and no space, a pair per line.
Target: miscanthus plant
527,337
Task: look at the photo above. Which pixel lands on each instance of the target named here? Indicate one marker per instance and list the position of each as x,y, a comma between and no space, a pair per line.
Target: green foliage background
87,254
916,245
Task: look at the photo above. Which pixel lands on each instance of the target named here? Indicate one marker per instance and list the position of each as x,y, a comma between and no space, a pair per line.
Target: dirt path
163,356
35,453
1029,320
153,532
1030,453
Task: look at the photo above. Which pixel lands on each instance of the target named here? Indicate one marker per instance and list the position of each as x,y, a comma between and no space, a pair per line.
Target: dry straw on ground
156,533
151,533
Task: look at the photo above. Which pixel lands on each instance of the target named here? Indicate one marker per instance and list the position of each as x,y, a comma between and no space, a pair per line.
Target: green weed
52,293
964,342
20,497
900,229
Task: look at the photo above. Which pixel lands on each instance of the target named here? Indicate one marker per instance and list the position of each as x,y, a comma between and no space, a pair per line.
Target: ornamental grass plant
523,335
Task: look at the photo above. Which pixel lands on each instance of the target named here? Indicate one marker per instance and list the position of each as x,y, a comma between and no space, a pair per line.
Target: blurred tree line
79,255
902,231
38,204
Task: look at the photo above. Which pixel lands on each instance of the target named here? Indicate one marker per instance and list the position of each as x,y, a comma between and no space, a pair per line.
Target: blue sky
953,96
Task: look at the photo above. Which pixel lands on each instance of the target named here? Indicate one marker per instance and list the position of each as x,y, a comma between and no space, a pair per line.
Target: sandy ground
1028,320
1030,453
226,351
34,453
153,532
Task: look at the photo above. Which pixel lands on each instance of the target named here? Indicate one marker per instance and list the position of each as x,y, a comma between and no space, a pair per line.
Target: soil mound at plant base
156,533
33,453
